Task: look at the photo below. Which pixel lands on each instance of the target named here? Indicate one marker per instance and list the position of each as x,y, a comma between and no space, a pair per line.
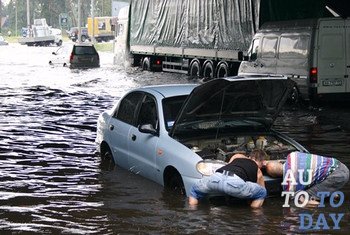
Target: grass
105,46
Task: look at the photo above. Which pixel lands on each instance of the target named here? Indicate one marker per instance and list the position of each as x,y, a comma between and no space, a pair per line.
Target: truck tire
195,69
222,70
294,96
59,43
208,70
146,64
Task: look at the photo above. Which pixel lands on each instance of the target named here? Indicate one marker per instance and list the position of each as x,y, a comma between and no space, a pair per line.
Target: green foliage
106,47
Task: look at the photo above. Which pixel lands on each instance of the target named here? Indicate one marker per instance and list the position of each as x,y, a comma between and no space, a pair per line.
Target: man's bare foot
312,202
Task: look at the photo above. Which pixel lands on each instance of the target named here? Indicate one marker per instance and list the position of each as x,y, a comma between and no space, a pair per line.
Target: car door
268,61
331,57
142,146
120,125
61,56
347,72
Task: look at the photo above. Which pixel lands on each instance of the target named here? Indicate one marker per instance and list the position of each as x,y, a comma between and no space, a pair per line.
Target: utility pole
93,20
79,20
16,25
0,16
29,31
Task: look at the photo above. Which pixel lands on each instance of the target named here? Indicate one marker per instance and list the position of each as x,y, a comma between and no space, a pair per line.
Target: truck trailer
102,28
199,38
206,38
40,34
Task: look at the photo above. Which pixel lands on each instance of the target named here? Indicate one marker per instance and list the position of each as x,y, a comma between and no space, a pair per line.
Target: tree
51,9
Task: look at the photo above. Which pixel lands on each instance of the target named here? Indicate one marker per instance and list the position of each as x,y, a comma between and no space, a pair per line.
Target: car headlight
208,167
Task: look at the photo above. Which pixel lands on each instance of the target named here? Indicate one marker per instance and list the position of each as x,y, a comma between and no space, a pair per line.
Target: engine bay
223,148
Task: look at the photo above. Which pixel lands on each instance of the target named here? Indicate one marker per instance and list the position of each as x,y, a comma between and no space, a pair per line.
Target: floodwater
50,175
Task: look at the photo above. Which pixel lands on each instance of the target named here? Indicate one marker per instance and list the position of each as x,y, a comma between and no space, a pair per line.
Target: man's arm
237,155
260,180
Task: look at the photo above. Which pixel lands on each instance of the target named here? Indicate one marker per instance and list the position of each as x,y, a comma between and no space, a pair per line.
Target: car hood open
236,103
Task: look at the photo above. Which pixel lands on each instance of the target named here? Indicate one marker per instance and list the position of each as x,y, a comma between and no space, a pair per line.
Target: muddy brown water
50,176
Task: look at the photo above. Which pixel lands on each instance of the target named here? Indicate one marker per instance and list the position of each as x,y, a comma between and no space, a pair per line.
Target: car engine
222,149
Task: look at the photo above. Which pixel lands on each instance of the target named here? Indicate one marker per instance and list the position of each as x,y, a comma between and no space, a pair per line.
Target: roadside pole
79,20
29,31
93,21
0,17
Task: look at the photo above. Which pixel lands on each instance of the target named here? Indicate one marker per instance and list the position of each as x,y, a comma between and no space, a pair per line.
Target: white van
314,53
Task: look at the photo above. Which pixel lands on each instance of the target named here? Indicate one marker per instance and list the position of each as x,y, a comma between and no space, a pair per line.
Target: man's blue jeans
230,185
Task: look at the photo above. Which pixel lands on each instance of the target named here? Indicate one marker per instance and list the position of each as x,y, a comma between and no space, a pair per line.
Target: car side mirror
54,53
148,129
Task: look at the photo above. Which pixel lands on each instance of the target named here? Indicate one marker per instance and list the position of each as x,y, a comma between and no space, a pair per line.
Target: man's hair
258,155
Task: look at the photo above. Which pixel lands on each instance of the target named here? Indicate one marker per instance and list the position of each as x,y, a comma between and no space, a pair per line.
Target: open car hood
233,104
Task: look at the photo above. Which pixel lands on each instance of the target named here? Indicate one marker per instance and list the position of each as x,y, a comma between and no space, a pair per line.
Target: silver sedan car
176,134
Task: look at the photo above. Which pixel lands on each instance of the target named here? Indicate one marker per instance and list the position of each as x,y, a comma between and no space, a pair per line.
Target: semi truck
199,38
40,34
102,28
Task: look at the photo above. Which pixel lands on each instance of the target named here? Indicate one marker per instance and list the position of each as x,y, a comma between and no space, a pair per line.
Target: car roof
170,90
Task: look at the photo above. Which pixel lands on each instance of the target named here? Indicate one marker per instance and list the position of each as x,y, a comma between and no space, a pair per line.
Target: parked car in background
73,34
80,55
177,134
315,53
2,41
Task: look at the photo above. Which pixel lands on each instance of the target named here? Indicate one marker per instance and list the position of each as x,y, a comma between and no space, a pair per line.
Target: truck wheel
59,43
195,69
294,97
146,64
222,70
208,71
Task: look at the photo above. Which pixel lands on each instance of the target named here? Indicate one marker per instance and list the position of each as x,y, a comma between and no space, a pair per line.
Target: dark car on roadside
73,34
79,55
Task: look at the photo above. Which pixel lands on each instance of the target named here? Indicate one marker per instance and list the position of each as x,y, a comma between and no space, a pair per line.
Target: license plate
332,83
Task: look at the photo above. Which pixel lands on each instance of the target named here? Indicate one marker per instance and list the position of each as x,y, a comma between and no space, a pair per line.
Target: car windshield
171,108
84,50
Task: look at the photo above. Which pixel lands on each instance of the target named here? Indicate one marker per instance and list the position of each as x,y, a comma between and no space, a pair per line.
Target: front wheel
176,185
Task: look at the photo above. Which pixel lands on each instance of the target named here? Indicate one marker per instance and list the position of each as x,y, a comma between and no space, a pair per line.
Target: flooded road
51,180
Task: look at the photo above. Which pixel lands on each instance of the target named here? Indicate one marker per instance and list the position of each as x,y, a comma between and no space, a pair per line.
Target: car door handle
261,65
111,127
133,137
255,65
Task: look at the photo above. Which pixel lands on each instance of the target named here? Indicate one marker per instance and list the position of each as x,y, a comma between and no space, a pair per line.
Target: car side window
294,47
269,45
127,108
148,113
